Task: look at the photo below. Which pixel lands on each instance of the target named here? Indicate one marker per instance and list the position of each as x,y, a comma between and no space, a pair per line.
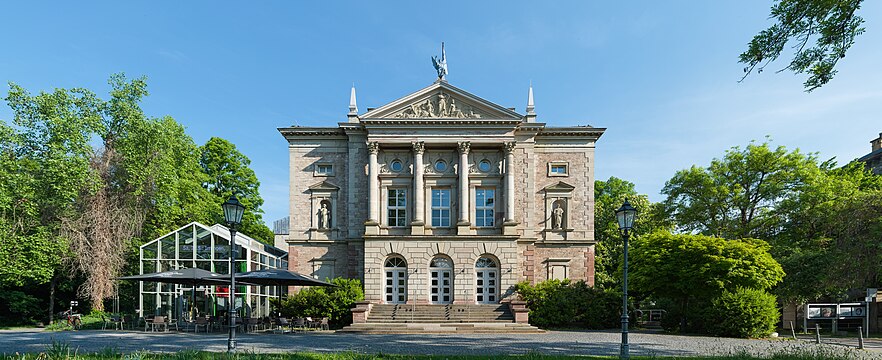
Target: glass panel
204,265
149,266
185,242
150,286
222,267
203,243
150,250
149,305
167,247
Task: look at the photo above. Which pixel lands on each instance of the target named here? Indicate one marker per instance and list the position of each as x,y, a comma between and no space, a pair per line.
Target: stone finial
464,147
373,147
531,109
353,107
419,147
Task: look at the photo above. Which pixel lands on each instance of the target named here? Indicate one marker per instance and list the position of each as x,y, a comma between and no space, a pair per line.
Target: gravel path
552,342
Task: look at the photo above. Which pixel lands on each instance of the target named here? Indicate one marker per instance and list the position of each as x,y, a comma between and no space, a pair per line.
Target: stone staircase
453,319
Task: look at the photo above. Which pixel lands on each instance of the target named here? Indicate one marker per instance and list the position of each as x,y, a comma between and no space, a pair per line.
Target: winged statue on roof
440,65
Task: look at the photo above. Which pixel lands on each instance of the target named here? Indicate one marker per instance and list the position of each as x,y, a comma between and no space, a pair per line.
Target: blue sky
660,75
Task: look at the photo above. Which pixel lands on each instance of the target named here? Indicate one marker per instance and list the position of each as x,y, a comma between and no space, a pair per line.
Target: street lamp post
233,211
625,216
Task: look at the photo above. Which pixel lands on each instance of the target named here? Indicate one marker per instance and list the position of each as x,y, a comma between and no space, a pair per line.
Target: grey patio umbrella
187,276
279,277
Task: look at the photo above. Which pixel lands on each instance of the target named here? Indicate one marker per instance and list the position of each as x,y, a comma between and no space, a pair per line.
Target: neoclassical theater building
441,197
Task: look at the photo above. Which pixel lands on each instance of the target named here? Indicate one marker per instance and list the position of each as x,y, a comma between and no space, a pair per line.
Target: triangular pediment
560,186
324,186
441,101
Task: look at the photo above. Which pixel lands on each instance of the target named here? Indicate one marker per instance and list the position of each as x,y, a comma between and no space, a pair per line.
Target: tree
697,268
609,196
831,27
733,196
227,170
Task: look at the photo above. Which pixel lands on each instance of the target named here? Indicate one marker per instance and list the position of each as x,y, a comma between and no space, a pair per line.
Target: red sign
222,291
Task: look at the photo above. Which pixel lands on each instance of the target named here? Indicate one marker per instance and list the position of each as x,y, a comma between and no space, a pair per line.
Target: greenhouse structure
206,247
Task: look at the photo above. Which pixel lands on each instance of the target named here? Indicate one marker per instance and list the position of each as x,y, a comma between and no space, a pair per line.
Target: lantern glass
626,215
233,211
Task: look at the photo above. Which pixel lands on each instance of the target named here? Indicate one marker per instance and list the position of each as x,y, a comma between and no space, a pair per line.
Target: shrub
20,308
331,302
562,303
746,312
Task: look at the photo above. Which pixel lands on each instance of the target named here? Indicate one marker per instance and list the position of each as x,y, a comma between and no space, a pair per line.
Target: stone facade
442,197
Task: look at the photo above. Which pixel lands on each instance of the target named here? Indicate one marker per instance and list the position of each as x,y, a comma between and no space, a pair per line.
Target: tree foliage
227,170
609,195
734,196
87,180
743,312
819,31
334,303
565,303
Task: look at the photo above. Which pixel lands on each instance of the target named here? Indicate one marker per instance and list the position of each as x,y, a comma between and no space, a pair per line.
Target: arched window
486,280
441,282
395,269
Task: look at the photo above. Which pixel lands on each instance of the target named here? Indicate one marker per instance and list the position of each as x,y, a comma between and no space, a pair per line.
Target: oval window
484,165
440,166
396,166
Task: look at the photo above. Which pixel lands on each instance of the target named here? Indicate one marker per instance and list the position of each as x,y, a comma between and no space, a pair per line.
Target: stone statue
440,65
442,105
454,112
324,217
557,217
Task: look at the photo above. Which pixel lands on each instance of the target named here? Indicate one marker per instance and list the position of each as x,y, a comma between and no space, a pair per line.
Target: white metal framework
198,246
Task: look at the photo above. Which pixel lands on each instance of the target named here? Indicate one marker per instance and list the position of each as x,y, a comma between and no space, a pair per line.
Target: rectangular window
484,205
324,169
559,169
396,207
441,207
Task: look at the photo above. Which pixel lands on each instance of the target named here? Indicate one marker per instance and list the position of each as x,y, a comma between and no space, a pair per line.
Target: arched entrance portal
396,280
441,271
486,281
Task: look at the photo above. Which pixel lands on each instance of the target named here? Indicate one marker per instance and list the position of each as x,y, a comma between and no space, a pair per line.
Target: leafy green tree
820,31
734,196
227,170
697,268
609,195
743,312
334,303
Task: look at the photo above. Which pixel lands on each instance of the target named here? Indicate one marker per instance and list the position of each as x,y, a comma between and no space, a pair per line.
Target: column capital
373,147
509,146
419,147
464,147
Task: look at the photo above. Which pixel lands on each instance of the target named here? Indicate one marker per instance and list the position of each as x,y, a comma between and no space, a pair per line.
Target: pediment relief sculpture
439,106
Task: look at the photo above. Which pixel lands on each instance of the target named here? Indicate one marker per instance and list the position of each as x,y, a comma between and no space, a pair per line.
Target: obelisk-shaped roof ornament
353,108
531,109
441,65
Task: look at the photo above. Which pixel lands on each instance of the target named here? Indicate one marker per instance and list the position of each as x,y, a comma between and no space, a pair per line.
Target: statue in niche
557,216
324,217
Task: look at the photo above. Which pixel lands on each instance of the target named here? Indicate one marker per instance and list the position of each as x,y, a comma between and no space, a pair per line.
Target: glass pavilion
207,248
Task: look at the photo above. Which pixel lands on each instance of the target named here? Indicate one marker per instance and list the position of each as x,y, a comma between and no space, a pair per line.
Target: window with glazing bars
441,207
396,207
484,204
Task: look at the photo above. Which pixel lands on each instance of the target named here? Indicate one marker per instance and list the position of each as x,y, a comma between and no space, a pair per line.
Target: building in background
442,197
874,158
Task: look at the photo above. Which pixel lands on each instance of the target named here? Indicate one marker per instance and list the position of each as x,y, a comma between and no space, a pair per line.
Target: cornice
300,131
572,131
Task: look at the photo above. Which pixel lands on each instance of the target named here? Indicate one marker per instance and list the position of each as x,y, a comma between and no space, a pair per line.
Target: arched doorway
441,282
396,280
486,281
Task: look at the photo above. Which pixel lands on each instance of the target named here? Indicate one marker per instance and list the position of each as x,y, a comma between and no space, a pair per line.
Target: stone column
463,225
417,227
372,225
509,222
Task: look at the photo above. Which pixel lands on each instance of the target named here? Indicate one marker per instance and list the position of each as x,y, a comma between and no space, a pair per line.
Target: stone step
442,328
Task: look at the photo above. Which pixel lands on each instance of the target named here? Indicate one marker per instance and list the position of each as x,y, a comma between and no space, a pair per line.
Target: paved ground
553,342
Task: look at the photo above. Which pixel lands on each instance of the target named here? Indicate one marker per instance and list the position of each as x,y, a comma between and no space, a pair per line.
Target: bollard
860,337
792,331
817,334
